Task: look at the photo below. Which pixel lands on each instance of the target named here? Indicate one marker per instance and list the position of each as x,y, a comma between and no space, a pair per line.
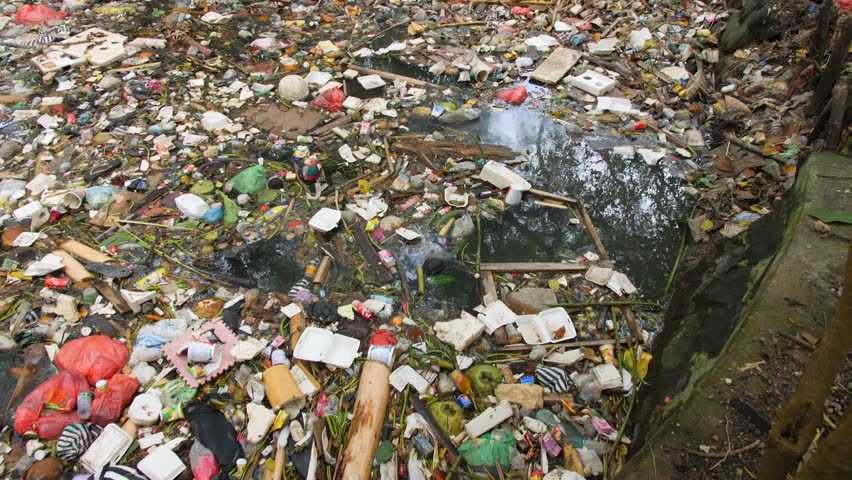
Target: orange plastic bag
107,406
37,15
97,357
330,100
515,96
50,408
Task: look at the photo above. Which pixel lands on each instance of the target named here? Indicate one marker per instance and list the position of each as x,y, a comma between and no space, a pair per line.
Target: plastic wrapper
49,408
330,100
492,447
107,406
514,96
249,181
97,357
37,15
203,462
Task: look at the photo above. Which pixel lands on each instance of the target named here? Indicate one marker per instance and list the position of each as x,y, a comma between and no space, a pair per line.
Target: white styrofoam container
326,219
161,464
532,329
544,327
108,447
555,319
320,345
593,82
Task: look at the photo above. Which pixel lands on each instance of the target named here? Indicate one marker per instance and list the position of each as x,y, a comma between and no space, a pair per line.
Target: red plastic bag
330,100
97,357
37,15
107,406
522,11
515,96
59,394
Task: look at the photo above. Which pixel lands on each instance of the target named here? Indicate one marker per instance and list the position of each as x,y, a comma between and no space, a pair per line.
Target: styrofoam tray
108,447
532,329
556,319
549,326
325,220
319,345
161,464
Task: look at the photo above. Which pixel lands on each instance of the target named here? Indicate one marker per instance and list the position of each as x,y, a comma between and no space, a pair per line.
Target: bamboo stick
394,76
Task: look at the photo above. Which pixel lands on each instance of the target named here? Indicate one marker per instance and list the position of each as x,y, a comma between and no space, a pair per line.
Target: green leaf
829,216
384,452
117,239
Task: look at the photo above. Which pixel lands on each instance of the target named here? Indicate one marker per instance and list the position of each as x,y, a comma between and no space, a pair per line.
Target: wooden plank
556,65
487,278
530,267
590,227
585,343
112,297
383,276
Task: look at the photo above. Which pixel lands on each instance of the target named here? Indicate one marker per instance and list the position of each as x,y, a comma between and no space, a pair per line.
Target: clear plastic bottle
84,405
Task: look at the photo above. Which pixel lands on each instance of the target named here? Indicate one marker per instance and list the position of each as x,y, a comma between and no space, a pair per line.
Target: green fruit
484,378
448,415
202,188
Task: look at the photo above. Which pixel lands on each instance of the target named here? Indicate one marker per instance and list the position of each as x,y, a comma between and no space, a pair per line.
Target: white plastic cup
514,195
199,352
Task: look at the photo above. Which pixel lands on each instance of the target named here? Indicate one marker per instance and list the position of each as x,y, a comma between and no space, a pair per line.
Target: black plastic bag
215,432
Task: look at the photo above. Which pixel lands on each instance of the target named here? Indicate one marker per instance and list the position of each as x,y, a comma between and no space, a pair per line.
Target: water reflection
634,206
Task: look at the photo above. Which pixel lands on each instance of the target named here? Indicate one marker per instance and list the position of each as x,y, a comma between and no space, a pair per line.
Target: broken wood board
530,267
383,276
529,301
556,65
454,149
286,122
109,293
500,335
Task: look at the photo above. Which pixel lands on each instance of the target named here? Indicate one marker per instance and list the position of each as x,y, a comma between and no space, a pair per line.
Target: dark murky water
635,207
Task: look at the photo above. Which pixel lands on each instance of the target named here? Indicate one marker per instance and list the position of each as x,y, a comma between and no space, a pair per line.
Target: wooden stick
590,227
394,76
552,196
529,267
297,325
73,268
366,429
322,271
86,253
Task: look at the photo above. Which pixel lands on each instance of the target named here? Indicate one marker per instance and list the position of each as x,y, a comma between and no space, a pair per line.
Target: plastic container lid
325,220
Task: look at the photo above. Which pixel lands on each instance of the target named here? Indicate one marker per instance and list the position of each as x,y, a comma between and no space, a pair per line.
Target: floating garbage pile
149,149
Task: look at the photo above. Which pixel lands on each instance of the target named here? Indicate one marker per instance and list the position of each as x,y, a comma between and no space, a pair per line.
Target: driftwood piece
369,419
